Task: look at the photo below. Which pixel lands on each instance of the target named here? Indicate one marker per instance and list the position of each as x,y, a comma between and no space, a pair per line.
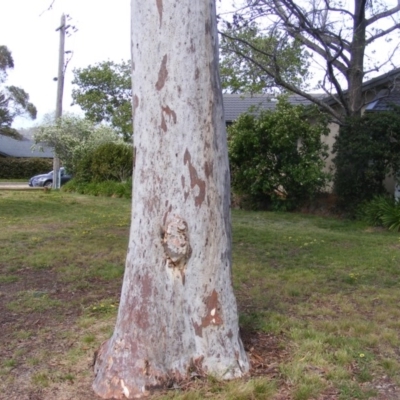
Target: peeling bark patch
197,74
208,27
146,368
160,9
212,317
135,102
198,329
162,74
163,124
192,46
208,169
195,180
176,243
170,113
213,311
166,215
196,366
141,315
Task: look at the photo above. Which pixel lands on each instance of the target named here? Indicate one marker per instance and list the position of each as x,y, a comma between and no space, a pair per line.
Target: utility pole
60,90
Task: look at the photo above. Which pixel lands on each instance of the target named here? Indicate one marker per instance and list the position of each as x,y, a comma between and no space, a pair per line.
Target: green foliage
109,161
104,93
276,157
23,168
104,189
367,150
73,137
381,211
14,101
246,62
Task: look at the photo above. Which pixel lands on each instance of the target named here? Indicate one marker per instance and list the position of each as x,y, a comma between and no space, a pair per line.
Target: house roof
10,147
390,77
237,104
384,81
384,100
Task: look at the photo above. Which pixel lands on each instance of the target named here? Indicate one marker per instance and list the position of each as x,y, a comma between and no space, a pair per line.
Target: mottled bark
177,313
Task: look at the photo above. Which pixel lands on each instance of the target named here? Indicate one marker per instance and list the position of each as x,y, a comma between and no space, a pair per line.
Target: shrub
112,161
367,150
277,157
109,161
23,168
106,188
381,211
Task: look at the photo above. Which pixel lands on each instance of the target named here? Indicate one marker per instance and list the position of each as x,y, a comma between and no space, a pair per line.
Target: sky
28,29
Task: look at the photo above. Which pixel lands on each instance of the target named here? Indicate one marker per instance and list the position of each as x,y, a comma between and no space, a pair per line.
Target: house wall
389,182
330,140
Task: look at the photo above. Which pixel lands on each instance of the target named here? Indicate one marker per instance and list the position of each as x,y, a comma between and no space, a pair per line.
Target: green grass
327,289
13,180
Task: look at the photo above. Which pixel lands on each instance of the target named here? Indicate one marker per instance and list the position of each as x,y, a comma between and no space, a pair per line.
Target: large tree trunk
177,313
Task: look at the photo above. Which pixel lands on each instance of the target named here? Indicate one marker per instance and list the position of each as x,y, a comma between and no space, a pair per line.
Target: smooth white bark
178,314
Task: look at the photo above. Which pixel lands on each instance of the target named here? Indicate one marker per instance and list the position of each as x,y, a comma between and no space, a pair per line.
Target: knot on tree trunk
175,241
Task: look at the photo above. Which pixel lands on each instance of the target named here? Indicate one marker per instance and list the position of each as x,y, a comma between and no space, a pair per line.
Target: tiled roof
386,80
389,77
384,100
22,148
236,104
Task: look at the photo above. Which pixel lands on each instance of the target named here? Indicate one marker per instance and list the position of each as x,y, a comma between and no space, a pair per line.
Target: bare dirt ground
40,342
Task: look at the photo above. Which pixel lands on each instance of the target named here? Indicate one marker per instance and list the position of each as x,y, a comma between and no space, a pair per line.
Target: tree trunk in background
355,73
178,313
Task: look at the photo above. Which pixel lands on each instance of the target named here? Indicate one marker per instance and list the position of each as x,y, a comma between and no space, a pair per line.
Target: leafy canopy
104,93
14,101
245,61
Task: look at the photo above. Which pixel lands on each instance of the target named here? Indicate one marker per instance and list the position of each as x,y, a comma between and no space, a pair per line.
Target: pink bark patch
195,180
171,114
160,9
213,314
162,74
135,102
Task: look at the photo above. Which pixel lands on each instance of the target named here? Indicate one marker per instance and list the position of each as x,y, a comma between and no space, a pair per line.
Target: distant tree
104,92
342,37
14,101
73,137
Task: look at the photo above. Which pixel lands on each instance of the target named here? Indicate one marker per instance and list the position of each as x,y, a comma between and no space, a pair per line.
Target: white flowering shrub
73,137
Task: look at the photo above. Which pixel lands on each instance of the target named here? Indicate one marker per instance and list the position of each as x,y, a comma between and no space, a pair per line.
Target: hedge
24,168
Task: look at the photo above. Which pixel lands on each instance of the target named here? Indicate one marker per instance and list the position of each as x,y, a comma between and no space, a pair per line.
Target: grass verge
318,300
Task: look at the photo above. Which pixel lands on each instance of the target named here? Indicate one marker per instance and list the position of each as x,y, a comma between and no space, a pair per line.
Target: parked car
46,180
